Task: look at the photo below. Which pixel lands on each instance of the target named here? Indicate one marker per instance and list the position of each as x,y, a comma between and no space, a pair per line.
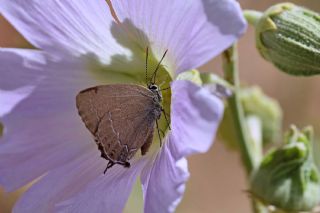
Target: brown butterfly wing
120,116
145,147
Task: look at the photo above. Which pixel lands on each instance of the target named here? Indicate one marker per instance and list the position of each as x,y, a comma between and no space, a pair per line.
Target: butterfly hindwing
121,118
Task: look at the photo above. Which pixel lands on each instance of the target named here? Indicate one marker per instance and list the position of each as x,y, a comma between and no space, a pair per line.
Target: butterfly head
155,90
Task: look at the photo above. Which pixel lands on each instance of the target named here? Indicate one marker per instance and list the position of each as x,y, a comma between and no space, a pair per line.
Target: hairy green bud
316,151
255,104
288,177
289,36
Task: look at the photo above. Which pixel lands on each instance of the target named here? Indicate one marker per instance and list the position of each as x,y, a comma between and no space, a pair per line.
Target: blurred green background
217,182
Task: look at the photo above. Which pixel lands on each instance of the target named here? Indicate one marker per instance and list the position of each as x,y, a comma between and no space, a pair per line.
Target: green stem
230,65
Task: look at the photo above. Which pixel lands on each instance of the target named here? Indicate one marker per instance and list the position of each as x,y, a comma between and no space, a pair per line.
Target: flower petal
43,129
107,193
62,183
74,26
19,74
195,116
192,31
166,177
38,146
53,84
9,99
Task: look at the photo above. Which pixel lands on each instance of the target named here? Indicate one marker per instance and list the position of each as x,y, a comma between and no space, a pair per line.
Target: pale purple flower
44,137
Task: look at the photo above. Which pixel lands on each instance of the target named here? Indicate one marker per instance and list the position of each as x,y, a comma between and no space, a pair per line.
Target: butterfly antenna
147,55
154,75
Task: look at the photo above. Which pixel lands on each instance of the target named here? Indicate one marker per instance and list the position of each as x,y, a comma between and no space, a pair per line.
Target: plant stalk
231,72
230,66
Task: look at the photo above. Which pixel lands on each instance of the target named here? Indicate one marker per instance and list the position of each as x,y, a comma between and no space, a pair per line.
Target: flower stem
230,66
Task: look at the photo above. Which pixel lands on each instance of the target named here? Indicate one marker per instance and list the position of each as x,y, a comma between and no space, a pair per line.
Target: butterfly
122,117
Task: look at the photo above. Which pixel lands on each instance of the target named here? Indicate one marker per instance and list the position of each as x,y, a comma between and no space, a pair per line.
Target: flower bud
255,104
289,36
191,75
217,85
316,151
288,177
210,78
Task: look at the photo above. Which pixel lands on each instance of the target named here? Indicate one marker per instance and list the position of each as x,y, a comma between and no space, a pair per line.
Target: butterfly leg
162,132
165,117
165,89
158,129
110,164
125,164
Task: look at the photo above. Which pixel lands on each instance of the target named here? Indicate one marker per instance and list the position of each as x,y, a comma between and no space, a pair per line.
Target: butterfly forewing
121,117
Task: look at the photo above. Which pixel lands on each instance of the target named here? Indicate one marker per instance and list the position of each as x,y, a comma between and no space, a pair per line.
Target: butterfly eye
153,87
